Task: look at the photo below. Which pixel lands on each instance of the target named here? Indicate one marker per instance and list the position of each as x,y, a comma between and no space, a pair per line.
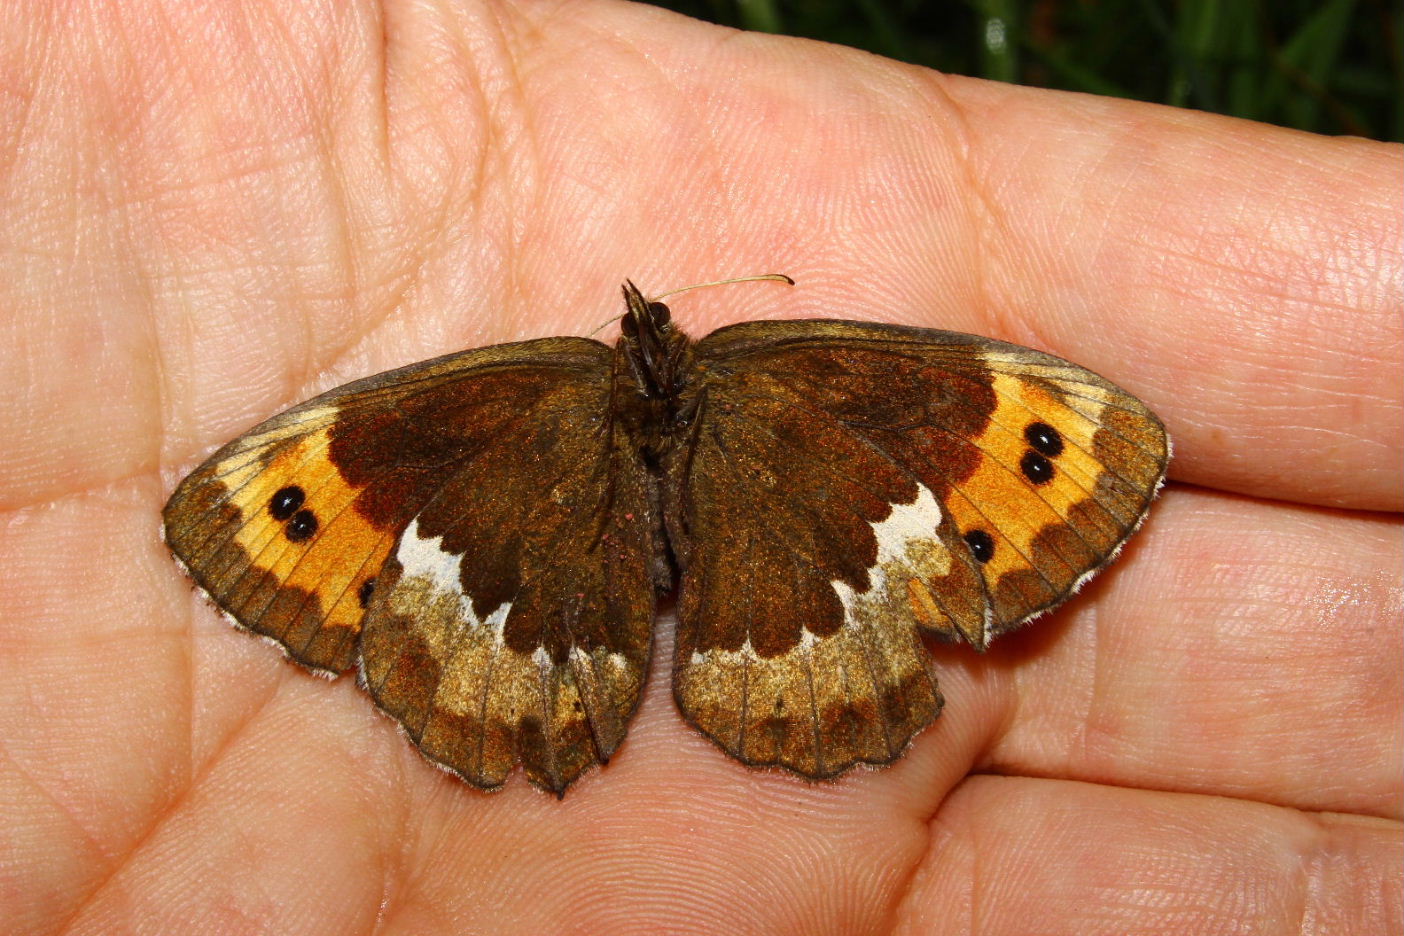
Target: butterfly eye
629,326
660,313
1043,441
286,507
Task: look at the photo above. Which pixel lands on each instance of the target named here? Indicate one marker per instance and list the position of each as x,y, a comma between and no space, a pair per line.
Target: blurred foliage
1328,66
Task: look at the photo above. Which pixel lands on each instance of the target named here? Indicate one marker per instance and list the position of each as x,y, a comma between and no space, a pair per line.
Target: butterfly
485,536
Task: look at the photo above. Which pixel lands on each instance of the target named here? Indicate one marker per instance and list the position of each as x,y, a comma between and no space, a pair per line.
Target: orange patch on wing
1017,512
346,550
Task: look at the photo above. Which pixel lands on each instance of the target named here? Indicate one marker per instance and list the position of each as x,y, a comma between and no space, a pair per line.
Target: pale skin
211,215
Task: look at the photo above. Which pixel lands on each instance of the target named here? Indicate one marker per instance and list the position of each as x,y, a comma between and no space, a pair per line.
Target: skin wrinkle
397,880
906,889
1314,868
1091,718
171,808
1310,876
448,215
960,137
90,844
930,824
524,140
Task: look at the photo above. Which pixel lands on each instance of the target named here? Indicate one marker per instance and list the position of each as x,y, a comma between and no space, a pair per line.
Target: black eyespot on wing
1044,439
1036,468
363,594
286,501
302,526
981,545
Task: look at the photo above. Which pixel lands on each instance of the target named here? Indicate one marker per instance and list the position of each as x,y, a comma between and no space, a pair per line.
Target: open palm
212,214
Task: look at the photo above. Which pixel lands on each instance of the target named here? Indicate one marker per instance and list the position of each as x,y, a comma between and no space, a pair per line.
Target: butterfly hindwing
541,660
382,524
846,485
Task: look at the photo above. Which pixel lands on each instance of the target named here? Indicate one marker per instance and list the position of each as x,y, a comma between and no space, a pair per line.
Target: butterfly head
643,315
655,348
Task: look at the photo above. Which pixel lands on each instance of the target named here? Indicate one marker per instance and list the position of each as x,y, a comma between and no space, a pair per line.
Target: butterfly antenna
605,324
760,278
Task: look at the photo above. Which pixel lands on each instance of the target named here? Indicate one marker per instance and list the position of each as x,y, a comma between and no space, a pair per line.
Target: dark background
1328,66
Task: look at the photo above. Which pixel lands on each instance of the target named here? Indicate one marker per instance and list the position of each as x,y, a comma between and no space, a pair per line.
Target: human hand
214,213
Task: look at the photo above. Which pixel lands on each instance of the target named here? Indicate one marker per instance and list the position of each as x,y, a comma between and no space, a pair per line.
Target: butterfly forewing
1069,465
848,484
472,530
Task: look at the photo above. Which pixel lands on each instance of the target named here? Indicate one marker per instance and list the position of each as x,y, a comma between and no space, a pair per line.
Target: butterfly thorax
652,361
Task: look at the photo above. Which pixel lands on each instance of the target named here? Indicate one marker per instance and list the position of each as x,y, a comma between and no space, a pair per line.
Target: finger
1245,279
1088,860
1245,649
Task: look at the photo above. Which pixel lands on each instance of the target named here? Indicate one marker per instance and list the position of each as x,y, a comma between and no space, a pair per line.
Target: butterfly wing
854,483
470,531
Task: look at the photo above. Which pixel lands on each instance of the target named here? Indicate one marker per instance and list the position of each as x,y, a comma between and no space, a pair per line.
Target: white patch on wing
613,661
426,559
906,542
907,522
740,696
744,654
